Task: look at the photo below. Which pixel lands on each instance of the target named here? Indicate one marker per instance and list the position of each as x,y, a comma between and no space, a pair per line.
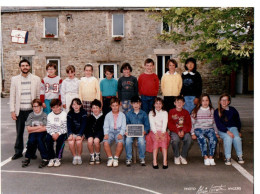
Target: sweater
50,88
127,87
171,84
159,121
139,118
179,121
204,120
230,118
76,122
95,126
192,84
36,119
57,123
148,84
89,89
120,123
108,87
69,86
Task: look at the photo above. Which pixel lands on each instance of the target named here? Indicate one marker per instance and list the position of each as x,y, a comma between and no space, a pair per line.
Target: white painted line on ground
82,177
9,160
243,171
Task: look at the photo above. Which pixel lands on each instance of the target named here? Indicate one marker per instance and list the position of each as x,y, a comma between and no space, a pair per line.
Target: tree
225,35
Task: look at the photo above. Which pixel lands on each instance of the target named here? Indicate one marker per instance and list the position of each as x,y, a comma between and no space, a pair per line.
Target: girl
76,124
158,118
192,84
228,123
203,127
88,88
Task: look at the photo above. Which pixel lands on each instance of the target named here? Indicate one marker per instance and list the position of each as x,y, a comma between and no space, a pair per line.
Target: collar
87,78
204,108
168,73
97,117
227,108
38,113
186,72
52,77
28,75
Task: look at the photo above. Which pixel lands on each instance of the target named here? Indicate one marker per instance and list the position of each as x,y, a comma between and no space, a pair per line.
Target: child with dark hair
56,131
127,87
94,132
192,84
76,124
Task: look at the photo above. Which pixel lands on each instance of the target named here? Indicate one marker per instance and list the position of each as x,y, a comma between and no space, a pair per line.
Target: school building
103,37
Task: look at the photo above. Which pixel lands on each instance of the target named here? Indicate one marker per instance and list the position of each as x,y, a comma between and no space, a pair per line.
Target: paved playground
191,178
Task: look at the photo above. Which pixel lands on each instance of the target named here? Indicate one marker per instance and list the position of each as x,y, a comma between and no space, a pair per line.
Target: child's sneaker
97,159
128,162
43,163
51,162
57,163
177,160
142,161
207,162
75,160
240,160
25,162
92,159
110,162
79,160
228,161
115,162
212,162
183,160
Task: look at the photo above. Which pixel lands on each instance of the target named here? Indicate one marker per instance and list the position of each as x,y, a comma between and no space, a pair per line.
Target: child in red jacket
179,124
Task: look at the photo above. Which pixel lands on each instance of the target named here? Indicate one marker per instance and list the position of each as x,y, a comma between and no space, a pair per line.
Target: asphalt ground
191,178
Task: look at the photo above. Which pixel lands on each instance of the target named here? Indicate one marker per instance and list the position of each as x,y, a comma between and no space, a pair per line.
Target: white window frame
162,31
57,22
102,68
113,35
54,59
163,63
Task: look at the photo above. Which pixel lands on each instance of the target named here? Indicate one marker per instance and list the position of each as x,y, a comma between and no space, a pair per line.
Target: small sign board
19,36
135,130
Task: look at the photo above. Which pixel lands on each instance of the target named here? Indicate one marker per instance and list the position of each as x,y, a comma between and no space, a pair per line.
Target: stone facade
87,38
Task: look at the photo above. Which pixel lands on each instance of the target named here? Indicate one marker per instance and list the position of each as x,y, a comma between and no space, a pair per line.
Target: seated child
56,131
94,131
179,123
114,130
76,124
36,126
136,116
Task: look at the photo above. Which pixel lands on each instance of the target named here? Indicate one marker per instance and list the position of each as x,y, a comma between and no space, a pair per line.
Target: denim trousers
60,143
202,136
147,103
141,147
237,142
175,141
189,104
126,106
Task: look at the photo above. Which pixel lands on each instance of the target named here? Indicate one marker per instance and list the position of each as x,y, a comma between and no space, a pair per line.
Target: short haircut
114,100
126,66
179,98
135,99
55,102
148,60
109,69
51,65
38,101
78,101
24,61
96,103
88,65
172,61
70,68
191,59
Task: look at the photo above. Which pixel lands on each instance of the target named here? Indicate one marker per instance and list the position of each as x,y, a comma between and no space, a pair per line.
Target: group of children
76,109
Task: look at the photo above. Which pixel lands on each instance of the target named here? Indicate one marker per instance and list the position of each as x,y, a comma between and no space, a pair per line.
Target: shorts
112,136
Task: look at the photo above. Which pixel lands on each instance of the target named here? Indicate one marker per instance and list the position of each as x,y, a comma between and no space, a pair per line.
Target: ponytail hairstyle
196,109
156,100
220,109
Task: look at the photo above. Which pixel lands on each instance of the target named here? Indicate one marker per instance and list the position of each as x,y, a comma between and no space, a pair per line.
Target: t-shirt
127,87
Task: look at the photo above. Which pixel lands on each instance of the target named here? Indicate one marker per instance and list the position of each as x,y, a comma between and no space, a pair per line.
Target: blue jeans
47,110
147,103
141,147
202,135
228,142
126,106
175,141
189,104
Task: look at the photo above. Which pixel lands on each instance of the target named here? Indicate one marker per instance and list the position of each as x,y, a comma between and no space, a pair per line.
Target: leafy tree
225,35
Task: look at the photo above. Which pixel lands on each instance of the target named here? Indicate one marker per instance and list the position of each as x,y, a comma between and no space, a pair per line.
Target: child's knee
96,141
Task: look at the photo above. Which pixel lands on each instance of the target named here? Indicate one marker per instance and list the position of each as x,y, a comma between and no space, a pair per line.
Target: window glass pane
159,66
118,24
51,25
166,27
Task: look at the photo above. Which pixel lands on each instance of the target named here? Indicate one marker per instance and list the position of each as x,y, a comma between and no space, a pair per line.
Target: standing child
50,87
148,85
171,84
56,131
204,127
179,123
228,123
158,118
76,124
192,84
88,88
108,88
36,126
69,88
114,130
94,132
136,116
127,87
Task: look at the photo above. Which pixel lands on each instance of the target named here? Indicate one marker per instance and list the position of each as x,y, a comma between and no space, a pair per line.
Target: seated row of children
203,123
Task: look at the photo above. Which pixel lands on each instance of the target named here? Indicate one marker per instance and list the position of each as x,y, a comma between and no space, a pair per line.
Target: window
161,65
165,27
118,25
29,58
50,27
102,68
57,62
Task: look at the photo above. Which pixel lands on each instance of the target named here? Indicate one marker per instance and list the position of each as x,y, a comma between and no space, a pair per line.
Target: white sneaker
57,163
75,160
110,162
79,160
212,162
51,162
115,162
183,160
177,160
207,162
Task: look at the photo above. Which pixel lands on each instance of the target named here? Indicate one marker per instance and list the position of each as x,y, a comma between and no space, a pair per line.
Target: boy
136,116
148,85
36,126
108,88
94,131
114,130
179,124
56,131
50,87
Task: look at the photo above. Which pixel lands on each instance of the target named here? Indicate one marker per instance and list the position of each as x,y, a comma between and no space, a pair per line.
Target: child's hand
126,133
106,136
119,136
240,135
64,106
78,138
13,116
157,136
55,136
217,135
162,136
230,134
181,134
43,105
193,136
144,133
